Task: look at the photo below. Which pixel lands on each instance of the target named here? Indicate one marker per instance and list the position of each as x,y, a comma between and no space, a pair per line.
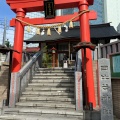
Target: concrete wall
95,70
3,81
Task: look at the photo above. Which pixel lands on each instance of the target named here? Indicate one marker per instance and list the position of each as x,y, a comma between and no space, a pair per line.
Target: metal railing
27,73
110,48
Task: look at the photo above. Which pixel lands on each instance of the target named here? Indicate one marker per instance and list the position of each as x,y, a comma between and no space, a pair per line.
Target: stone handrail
78,82
20,79
27,72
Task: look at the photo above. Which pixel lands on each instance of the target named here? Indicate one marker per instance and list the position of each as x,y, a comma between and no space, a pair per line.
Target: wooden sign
49,8
115,65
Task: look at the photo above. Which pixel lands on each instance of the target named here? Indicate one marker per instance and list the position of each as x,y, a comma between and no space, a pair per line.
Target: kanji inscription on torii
105,90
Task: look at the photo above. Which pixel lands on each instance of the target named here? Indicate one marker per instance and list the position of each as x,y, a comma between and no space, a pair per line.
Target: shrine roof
4,49
98,33
32,49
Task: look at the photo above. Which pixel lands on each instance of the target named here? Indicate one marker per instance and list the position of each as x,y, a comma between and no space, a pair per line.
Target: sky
6,12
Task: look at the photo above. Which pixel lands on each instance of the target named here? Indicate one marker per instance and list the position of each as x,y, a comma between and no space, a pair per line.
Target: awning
99,33
4,49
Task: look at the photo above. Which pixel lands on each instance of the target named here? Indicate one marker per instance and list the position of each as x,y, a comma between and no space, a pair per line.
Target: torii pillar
18,40
85,36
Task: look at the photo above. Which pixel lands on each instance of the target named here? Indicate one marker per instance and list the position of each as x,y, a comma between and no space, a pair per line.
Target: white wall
112,13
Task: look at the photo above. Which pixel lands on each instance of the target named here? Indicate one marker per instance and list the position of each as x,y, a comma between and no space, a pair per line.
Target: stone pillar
78,83
105,92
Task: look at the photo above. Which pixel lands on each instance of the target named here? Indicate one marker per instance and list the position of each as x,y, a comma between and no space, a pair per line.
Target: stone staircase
49,96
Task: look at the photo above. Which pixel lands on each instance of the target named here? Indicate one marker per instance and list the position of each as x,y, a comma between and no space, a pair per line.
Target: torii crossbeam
20,7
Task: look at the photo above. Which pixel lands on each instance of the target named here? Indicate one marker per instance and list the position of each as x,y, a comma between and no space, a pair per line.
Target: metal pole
69,52
85,82
4,33
9,78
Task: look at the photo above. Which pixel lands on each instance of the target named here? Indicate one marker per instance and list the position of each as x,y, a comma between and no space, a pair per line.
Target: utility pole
4,32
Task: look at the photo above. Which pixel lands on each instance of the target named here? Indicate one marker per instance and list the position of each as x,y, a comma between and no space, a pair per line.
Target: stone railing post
78,83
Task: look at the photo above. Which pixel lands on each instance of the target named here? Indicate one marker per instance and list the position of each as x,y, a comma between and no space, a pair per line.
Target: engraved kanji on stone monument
105,91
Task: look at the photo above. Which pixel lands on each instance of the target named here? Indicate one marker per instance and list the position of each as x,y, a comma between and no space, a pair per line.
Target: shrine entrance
21,7
63,48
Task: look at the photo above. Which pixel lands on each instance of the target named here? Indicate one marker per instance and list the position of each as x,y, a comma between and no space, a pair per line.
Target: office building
98,6
112,13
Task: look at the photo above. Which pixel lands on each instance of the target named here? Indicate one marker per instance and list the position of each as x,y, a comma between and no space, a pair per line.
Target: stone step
45,105
54,77
50,78
50,101
47,93
52,84
44,98
54,74
39,117
52,81
48,89
40,111
56,71
65,96
30,117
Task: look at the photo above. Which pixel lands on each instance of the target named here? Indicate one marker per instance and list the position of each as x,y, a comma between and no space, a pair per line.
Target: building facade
98,7
112,13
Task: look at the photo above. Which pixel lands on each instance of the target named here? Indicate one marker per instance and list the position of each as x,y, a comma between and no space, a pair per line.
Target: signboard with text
49,9
115,65
105,90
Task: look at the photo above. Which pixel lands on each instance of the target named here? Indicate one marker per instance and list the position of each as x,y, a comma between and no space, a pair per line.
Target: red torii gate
20,7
